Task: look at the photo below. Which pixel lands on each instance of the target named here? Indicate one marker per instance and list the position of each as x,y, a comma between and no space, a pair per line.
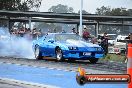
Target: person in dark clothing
74,31
104,43
34,34
22,32
39,33
129,36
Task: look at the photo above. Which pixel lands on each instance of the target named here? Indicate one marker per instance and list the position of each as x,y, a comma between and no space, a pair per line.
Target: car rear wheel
93,60
59,55
38,54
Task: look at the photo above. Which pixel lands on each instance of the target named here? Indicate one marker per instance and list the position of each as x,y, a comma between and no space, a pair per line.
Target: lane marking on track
75,68
32,84
40,67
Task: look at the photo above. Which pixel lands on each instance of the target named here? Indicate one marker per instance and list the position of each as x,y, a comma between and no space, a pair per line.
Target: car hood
111,41
78,43
120,43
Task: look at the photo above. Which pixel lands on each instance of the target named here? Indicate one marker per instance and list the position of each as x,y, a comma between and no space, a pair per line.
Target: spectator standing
86,34
39,33
73,30
104,43
34,34
21,32
63,31
94,39
129,37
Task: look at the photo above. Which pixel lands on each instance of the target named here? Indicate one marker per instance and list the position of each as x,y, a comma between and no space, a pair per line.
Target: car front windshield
64,37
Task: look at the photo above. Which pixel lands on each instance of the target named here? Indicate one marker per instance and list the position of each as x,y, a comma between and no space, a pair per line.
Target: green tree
114,12
84,12
119,11
130,12
61,9
103,10
20,5
56,27
33,4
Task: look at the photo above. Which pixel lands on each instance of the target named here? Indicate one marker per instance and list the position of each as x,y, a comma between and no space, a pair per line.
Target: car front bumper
81,54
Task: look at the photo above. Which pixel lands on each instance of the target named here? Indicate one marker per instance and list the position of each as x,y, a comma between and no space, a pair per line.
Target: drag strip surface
57,78
12,83
100,67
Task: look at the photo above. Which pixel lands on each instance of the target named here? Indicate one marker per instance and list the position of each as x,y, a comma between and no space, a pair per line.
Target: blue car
66,46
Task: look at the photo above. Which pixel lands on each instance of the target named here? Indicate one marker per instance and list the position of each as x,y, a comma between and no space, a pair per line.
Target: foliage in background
61,9
114,12
114,57
100,11
56,27
83,12
20,5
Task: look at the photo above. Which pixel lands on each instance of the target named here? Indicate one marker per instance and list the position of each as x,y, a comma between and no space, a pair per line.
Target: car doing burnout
66,46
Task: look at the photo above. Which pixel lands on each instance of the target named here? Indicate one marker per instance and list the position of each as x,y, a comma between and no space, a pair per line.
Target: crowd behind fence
27,33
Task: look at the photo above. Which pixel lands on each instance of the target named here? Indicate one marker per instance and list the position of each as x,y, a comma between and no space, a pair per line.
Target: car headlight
72,48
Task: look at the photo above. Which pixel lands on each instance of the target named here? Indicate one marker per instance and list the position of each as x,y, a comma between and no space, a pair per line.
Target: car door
50,45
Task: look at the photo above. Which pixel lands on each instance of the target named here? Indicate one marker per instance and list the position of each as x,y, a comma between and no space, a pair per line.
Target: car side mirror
51,41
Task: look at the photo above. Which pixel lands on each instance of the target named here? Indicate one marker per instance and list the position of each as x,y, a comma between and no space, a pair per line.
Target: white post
80,27
97,29
30,23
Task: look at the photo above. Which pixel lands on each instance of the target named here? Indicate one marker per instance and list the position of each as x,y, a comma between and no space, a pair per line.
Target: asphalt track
100,67
41,75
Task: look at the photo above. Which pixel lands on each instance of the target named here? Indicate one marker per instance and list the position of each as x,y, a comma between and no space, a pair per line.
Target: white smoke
11,45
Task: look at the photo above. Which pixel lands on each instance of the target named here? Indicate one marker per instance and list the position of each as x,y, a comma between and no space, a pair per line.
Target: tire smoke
14,46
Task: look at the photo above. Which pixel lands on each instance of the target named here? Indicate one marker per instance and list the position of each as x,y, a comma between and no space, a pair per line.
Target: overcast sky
88,5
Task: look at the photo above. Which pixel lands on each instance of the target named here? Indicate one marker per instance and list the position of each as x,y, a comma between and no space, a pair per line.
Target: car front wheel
59,55
38,54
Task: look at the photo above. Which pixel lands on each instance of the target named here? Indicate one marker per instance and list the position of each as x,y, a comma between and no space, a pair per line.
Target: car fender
62,46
